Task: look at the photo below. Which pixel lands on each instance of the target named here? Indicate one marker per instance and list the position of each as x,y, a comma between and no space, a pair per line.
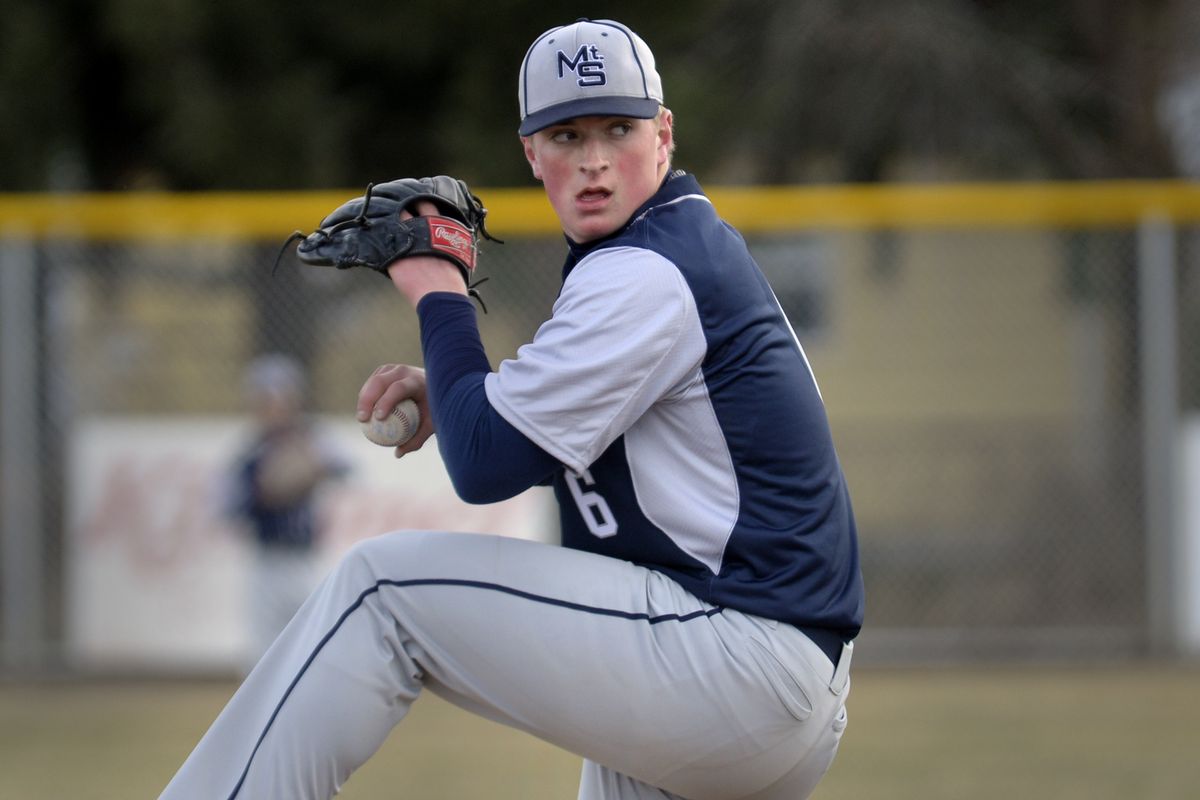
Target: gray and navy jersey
693,437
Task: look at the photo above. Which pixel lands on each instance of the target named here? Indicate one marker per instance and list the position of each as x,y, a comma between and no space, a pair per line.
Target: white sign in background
1189,562
158,578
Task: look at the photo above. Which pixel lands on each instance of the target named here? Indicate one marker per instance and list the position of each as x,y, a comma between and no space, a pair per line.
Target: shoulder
626,281
623,260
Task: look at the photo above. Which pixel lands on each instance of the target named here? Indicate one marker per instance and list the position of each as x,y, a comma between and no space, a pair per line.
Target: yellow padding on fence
517,212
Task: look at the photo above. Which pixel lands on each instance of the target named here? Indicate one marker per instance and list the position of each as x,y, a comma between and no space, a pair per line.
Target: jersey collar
676,184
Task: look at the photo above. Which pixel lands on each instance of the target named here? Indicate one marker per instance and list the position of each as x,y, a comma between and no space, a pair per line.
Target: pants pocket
787,687
839,722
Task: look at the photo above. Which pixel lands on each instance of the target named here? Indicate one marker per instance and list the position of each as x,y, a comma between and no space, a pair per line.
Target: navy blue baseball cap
588,68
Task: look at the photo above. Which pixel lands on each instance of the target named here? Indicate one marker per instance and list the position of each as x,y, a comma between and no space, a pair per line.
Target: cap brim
636,107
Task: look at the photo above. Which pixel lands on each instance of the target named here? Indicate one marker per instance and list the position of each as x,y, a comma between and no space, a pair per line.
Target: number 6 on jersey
592,506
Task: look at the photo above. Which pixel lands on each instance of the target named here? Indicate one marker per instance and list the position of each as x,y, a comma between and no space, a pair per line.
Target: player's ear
666,135
531,156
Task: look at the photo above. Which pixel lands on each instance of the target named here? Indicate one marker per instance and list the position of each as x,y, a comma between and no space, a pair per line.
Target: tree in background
207,94
942,89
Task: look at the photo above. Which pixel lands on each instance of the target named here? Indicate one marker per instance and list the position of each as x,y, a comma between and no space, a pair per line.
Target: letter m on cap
588,64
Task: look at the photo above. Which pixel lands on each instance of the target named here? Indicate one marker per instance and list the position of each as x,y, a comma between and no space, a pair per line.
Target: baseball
396,428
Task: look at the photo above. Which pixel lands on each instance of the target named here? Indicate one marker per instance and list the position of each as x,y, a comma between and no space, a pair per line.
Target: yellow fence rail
140,216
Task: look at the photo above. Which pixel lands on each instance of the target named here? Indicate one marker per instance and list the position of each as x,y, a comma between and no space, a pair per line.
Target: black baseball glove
368,231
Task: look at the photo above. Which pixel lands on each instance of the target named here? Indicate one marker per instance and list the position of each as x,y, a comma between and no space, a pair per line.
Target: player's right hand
385,388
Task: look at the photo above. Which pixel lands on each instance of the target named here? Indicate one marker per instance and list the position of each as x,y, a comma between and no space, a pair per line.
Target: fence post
1159,377
22,608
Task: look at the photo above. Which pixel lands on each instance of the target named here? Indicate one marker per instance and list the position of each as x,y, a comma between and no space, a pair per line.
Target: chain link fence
985,383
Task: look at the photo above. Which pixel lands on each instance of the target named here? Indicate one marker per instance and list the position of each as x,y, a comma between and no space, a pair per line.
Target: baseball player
272,489
692,637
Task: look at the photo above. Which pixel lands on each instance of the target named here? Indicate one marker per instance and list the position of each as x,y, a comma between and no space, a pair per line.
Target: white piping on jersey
799,346
681,198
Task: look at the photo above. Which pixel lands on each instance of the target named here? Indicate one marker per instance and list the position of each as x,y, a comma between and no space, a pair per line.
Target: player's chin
590,227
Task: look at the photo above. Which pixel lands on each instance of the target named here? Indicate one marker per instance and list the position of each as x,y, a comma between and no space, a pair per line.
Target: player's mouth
592,197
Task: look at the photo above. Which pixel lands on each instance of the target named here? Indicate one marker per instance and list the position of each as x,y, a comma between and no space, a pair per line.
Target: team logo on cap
588,65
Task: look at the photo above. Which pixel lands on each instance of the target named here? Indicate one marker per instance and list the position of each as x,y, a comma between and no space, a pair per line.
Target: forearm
487,458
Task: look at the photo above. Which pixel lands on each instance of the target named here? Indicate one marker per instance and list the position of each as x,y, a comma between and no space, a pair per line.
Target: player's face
598,170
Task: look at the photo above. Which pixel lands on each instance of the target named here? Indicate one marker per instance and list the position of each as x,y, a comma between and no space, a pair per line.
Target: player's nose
593,158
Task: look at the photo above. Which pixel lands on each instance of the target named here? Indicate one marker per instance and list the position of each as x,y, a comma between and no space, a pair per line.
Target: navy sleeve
487,458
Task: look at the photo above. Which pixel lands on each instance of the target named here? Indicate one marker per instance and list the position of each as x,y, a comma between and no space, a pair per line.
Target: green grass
980,733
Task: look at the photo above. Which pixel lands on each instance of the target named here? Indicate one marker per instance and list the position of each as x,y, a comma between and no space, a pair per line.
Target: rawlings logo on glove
451,238
368,231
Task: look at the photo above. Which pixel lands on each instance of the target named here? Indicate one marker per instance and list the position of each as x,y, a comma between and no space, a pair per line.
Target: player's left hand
385,388
416,276
380,230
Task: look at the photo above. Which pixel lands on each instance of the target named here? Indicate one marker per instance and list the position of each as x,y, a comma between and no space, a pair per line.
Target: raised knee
384,553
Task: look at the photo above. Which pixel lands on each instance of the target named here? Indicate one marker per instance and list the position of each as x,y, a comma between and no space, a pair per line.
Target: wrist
421,275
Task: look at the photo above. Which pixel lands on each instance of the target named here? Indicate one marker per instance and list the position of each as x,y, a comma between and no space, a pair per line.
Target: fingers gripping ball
396,428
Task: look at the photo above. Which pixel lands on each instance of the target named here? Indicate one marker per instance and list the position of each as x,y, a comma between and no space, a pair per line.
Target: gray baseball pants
662,695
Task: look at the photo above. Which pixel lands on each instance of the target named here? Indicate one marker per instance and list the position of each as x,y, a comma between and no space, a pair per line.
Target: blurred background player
273,489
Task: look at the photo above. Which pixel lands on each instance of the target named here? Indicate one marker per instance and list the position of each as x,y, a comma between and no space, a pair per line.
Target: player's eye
562,136
622,129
